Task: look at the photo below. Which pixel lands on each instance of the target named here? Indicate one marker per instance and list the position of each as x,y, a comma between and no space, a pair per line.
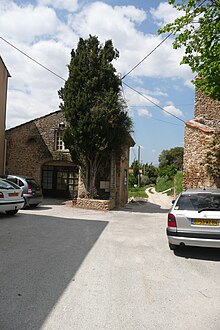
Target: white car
194,219
11,197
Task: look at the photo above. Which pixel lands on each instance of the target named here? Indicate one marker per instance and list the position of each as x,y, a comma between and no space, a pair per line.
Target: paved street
71,269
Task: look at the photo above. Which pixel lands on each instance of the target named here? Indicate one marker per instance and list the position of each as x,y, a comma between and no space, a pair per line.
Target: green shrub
132,180
178,182
163,183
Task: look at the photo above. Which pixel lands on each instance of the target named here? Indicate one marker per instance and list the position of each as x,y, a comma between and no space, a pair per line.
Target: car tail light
171,220
1,195
29,190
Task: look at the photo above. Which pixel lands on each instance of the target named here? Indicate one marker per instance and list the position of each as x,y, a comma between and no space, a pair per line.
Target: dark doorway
60,181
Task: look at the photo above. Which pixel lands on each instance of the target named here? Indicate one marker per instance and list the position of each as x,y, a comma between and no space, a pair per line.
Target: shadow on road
189,252
143,207
39,257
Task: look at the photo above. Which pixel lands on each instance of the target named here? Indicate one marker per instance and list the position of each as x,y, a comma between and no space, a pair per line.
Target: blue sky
47,30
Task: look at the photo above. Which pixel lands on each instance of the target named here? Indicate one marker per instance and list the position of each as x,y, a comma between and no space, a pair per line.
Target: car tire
172,246
11,212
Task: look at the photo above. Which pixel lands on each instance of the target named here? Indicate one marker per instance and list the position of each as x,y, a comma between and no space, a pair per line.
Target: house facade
202,145
4,74
36,149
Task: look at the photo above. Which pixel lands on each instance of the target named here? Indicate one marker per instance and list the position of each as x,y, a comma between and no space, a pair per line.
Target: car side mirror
173,201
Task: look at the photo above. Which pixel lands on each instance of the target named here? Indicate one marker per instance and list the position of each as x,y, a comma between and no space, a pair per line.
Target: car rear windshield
5,184
33,183
197,202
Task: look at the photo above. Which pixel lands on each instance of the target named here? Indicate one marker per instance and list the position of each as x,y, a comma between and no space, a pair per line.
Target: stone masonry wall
47,126
94,204
199,136
30,145
197,144
207,111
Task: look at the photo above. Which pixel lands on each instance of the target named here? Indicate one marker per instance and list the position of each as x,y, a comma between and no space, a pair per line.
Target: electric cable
32,59
147,55
149,100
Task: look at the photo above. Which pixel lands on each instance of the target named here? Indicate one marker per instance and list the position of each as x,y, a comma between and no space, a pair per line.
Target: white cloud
132,13
171,109
39,31
165,13
135,99
143,112
132,44
70,5
27,23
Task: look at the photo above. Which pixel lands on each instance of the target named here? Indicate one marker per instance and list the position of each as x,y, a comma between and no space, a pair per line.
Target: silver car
31,189
194,219
11,197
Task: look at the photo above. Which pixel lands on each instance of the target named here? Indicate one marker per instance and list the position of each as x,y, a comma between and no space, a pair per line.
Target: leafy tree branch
198,30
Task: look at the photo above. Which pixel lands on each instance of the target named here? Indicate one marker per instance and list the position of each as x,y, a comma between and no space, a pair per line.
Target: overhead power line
149,100
164,121
149,106
147,56
54,73
32,59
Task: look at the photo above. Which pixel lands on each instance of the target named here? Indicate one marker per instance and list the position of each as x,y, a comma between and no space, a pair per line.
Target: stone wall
196,146
94,204
207,111
32,144
200,133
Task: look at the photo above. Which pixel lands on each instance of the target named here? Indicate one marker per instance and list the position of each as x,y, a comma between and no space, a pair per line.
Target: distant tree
98,123
151,172
136,167
198,30
173,156
132,180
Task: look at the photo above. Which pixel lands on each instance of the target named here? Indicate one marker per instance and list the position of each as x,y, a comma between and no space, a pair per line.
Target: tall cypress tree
98,123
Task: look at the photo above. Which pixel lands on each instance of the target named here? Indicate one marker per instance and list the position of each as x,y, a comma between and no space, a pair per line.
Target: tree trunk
91,177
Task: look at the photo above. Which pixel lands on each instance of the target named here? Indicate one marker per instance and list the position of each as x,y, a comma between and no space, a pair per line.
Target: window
59,144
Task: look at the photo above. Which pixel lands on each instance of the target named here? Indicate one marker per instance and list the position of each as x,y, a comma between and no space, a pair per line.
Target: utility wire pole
139,162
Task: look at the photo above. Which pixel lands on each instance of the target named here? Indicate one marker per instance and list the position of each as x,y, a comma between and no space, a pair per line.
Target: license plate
204,222
13,194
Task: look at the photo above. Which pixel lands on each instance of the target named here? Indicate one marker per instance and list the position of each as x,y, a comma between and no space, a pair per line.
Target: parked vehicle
194,219
31,189
11,197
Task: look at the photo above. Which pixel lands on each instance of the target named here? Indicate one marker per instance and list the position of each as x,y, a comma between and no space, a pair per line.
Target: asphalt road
71,269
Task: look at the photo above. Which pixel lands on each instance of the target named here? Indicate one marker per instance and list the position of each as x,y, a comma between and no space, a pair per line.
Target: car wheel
172,246
12,212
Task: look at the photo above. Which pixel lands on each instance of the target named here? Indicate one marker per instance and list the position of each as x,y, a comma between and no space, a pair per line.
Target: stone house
36,149
4,74
202,145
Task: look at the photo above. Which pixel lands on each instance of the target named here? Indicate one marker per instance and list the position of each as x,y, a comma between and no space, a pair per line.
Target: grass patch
137,192
178,182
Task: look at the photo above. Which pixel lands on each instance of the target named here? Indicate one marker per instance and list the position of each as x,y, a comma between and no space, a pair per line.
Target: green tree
171,157
136,166
151,172
198,31
98,123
